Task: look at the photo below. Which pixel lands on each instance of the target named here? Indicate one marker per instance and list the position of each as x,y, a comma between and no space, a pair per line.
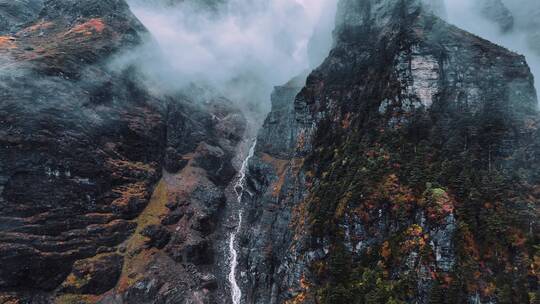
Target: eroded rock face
389,177
74,169
83,151
275,186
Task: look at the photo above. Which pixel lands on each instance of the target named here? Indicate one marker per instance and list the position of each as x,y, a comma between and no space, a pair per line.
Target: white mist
243,49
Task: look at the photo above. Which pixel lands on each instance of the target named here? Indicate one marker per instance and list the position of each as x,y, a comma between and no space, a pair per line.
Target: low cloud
241,48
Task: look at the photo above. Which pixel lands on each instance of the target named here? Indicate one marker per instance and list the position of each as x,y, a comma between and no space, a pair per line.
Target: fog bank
241,48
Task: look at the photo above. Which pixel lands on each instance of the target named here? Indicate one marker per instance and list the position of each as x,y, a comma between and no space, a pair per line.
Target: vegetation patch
137,255
88,28
7,42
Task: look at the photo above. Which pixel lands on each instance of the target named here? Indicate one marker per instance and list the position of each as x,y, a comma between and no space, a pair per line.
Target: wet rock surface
377,182
88,209
70,183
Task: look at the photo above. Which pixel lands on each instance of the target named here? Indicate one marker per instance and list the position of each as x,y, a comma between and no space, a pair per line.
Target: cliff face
405,171
101,181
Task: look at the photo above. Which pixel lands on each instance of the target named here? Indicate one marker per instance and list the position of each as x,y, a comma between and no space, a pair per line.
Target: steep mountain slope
102,181
405,171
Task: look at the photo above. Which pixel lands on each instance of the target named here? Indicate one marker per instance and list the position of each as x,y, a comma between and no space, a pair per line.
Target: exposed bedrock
101,181
405,171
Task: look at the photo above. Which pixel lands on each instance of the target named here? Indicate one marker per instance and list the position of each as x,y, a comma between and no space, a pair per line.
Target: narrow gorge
236,292
269,152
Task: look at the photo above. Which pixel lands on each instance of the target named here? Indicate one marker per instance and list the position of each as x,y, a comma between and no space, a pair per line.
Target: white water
236,292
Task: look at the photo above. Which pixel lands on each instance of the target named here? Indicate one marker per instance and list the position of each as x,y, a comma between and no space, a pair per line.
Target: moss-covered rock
95,275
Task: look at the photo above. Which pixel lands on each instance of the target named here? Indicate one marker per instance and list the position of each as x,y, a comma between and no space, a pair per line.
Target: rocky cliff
404,171
108,192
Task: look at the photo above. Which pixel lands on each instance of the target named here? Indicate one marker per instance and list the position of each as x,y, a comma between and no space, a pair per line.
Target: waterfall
236,292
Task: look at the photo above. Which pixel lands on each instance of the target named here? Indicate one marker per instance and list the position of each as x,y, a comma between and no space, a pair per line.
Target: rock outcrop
102,181
405,171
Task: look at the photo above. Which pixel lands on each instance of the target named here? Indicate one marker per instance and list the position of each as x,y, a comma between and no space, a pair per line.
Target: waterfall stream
236,292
